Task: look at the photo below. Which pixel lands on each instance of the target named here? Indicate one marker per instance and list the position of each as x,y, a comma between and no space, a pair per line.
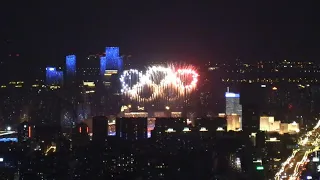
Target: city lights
159,82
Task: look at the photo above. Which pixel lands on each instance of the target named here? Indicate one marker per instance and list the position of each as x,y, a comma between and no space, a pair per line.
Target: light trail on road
292,168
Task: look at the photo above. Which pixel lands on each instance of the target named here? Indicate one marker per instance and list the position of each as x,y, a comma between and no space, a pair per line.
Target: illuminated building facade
233,122
290,128
54,76
71,65
268,124
265,122
233,107
114,61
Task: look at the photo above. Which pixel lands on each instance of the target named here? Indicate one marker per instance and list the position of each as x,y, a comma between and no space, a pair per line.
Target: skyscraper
71,65
114,61
233,107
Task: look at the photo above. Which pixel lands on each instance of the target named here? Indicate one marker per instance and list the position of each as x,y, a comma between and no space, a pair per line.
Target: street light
8,128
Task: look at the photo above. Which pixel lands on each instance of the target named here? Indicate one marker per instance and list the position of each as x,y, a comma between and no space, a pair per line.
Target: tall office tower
53,76
71,65
132,128
114,61
103,65
233,106
99,129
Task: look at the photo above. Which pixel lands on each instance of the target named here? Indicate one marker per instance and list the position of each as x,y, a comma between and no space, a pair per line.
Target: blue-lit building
103,65
71,65
114,61
53,76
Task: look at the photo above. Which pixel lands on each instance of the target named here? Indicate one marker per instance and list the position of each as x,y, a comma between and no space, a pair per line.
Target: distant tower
114,61
233,105
71,65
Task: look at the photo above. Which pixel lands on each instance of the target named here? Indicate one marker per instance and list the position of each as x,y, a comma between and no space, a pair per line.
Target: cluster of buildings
233,115
268,124
110,60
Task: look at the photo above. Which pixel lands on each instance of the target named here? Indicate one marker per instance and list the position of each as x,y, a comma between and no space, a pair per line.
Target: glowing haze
169,83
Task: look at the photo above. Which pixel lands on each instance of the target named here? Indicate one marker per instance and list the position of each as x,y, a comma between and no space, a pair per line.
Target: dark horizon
46,32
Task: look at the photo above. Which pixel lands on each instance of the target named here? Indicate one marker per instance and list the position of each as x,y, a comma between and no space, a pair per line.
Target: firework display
168,83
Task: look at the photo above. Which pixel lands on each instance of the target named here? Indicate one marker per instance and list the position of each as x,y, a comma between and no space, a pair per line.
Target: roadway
292,168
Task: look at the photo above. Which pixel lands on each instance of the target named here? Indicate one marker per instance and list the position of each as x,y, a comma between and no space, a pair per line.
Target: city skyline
159,90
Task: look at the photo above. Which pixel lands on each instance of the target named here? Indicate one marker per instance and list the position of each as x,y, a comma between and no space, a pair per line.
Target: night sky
46,31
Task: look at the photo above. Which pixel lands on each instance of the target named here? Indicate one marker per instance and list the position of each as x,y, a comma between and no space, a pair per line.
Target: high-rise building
71,65
132,128
233,106
114,61
99,129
